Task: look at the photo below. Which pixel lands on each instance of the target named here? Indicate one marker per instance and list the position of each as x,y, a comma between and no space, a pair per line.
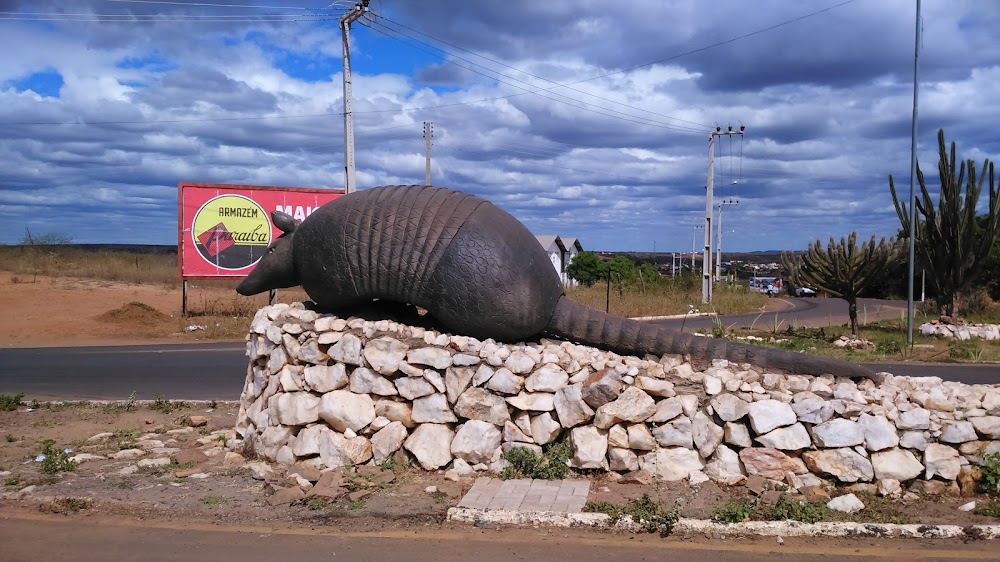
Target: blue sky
578,119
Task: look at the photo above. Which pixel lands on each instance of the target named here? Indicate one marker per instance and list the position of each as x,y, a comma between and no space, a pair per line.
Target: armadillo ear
284,221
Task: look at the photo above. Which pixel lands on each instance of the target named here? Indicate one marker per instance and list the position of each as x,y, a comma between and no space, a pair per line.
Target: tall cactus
843,270
950,242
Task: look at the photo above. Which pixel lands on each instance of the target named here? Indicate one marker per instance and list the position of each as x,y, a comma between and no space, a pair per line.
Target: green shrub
55,460
785,509
991,473
524,463
10,403
736,511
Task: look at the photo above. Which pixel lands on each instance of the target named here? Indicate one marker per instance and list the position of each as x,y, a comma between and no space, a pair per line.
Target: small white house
561,252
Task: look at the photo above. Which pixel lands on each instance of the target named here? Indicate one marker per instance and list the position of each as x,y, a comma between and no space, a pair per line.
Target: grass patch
10,438
164,406
785,509
646,514
666,296
9,403
524,463
12,480
65,505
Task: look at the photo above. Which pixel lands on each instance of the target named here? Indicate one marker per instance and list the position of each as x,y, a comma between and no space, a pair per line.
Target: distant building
561,252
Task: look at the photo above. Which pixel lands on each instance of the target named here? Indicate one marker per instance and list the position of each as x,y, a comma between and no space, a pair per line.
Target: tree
623,266
952,243
47,239
587,268
843,270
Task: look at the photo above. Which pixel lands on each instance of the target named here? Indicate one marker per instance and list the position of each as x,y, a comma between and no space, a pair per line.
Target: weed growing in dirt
12,480
55,460
991,472
991,509
646,514
388,464
524,463
10,403
785,509
736,511
164,406
213,501
10,438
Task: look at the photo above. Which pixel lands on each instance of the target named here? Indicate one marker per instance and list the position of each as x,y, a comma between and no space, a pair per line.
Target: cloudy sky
581,118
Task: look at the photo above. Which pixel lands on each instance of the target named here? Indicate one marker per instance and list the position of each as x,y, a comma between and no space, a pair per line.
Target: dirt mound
133,312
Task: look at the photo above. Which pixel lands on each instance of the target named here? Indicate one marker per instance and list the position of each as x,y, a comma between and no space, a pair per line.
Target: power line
557,84
603,111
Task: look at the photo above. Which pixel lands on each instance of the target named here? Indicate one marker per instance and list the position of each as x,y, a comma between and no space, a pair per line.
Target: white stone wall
329,392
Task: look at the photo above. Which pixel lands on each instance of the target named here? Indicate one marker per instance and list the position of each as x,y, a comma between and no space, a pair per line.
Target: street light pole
706,279
345,27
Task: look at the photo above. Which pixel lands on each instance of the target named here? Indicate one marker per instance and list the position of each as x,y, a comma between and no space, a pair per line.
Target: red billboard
224,230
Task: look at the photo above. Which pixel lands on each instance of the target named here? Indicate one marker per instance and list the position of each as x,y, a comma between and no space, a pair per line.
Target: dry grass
63,261
667,297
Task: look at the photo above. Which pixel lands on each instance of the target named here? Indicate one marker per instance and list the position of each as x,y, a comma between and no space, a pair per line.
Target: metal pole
718,248
913,175
706,265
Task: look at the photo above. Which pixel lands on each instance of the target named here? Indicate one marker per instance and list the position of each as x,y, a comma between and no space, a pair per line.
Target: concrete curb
486,517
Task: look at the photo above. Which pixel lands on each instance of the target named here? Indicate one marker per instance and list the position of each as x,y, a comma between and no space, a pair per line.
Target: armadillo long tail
579,323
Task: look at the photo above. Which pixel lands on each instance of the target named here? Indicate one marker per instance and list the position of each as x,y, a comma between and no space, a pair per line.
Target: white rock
967,506
431,444
640,438
337,450
395,411
712,385
534,401
917,418
484,373
367,381
294,408
432,409
547,378
306,443
790,438
481,404
632,405
519,363
544,429
737,434
766,415
725,467
431,356
941,460
153,463
347,350
503,381
896,464
343,409
678,433
914,440
622,460
384,354
676,463
325,378
729,408
387,441
957,432
848,503
457,379
655,387
618,437
846,465
570,406
476,441
880,433
838,433
666,410
813,411
706,434
590,446
411,388
987,426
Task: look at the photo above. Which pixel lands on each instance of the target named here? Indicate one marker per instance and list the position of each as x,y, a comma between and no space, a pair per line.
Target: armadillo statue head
276,270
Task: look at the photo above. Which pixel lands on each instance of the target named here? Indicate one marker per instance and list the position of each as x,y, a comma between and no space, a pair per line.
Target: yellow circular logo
231,231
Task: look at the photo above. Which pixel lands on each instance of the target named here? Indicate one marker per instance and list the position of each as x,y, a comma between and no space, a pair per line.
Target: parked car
805,292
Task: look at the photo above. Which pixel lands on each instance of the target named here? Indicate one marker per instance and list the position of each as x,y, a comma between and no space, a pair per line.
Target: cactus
843,270
950,242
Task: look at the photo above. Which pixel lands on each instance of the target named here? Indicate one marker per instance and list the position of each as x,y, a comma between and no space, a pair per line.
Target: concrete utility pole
706,276
428,133
718,249
345,27
913,175
694,232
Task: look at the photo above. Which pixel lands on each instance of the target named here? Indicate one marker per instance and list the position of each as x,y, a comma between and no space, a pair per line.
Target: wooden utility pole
428,133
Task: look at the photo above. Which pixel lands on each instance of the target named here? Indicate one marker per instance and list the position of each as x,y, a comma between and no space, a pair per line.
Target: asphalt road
217,371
